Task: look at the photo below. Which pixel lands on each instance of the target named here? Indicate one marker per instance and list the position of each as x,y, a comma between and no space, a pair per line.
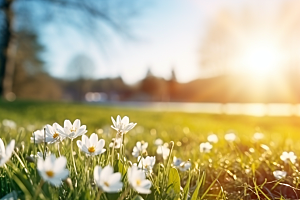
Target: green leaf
121,168
137,197
200,182
187,188
174,181
24,184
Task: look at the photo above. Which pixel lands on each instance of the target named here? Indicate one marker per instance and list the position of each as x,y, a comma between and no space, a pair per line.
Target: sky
168,36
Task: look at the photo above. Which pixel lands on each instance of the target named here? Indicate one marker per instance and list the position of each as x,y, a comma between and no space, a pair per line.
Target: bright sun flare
259,59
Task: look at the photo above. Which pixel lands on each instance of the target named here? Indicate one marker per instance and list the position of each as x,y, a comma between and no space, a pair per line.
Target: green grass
229,171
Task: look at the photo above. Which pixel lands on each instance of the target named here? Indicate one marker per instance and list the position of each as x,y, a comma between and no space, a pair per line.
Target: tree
88,16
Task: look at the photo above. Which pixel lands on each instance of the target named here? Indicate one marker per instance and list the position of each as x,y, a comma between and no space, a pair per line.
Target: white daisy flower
5,153
139,149
279,174
213,138
122,125
286,156
230,137
184,166
147,163
117,142
163,150
91,146
138,181
107,180
158,142
74,130
9,123
176,161
258,136
38,136
205,147
53,170
54,133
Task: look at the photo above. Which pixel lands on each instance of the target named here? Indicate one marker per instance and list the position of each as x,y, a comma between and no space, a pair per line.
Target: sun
259,58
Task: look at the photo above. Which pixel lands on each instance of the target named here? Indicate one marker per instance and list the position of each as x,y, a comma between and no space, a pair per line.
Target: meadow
245,166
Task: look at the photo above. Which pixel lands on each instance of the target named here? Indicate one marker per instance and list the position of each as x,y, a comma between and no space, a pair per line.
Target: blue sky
168,32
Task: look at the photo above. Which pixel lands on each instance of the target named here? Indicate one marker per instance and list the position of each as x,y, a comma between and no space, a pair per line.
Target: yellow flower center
106,184
73,129
91,149
50,173
138,182
55,135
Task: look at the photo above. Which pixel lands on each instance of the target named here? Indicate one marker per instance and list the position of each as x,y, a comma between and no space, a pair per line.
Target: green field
237,170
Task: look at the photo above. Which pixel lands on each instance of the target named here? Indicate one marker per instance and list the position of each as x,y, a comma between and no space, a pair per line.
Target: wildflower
213,138
265,147
205,147
122,125
230,137
176,161
91,146
184,166
54,133
117,142
9,123
163,150
286,156
158,142
138,181
73,130
147,163
107,180
5,153
38,136
140,148
258,136
279,174
53,170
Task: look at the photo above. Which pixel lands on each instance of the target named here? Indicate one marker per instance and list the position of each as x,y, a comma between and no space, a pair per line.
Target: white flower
38,136
73,130
205,147
53,170
107,180
163,150
122,125
258,136
5,153
213,138
139,149
138,181
176,161
279,174
91,146
265,147
147,163
9,123
230,137
158,142
184,166
117,142
286,156
54,133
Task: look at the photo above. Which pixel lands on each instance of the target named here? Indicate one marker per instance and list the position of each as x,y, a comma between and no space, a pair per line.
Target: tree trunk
6,39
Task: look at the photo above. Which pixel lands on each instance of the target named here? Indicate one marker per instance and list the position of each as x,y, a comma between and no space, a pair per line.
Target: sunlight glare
260,59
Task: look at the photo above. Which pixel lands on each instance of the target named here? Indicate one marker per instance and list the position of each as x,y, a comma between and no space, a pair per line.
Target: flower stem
99,194
38,189
73,157
124,194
